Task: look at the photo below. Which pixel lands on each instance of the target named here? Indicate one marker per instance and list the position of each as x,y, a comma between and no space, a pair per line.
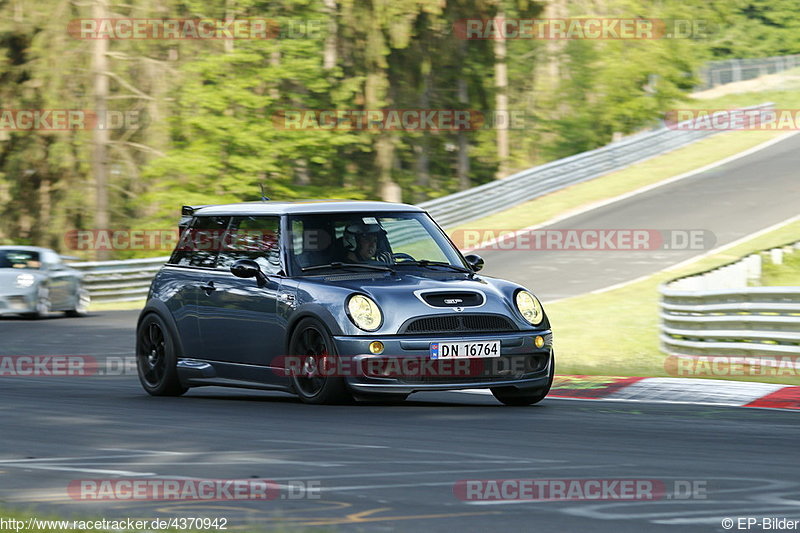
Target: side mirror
475,262
247,268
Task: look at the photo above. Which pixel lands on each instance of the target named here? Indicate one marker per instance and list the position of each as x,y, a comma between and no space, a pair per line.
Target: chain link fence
716,73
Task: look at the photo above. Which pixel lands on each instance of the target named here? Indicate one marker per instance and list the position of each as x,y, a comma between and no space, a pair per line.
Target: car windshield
20,259
364,241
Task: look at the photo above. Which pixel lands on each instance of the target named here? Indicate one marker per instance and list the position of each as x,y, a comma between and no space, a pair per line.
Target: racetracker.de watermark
553,490
583,28
729,365
54,120
459,362
596,240
733,119
400,119
169,239
195,28
35,366
181,489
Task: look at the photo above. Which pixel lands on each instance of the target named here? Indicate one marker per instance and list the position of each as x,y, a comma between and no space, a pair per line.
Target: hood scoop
450,299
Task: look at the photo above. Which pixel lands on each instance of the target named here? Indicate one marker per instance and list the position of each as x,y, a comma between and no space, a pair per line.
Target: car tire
82,301
157,358
521,397
311,341
42,309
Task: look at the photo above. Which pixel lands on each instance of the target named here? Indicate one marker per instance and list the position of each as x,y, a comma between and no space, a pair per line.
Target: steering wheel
402,255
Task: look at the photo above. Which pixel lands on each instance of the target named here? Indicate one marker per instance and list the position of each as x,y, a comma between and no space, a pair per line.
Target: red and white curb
674,390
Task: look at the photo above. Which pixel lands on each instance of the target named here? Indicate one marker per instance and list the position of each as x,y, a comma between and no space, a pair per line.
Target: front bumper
521,364
17,303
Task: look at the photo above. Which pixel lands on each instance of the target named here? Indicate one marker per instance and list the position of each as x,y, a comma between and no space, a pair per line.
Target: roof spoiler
188,210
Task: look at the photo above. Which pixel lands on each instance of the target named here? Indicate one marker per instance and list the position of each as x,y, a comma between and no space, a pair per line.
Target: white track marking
62,459
455,472
688,261
149,452
327,444
445,483
84,470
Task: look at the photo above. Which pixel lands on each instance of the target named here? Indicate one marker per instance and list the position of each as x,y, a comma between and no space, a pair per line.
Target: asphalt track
731,201
393,467
379,467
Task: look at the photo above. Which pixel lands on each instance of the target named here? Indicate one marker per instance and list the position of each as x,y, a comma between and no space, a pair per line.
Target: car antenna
263,196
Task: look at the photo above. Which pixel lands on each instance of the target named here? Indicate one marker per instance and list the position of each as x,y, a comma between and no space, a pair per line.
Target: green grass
616,332
785,275
785,97
116,306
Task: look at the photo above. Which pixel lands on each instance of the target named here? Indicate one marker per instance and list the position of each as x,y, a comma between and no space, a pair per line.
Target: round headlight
25,280
364,312
529,307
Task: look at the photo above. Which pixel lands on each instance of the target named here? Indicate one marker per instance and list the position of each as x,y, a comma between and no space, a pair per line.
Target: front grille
453,299
458,324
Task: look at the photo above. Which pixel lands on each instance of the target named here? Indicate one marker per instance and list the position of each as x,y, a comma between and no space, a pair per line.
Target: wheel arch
160,309
312,313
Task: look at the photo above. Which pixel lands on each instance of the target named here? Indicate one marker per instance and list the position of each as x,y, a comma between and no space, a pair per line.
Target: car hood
404,282
401,297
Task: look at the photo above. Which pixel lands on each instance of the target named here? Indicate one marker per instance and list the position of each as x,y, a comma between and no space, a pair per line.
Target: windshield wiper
339,264
426,263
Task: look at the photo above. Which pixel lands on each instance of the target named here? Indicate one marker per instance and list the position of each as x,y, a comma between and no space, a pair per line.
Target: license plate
464,350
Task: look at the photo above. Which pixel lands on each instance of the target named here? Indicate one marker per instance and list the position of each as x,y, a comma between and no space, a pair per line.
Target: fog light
376,347
538,341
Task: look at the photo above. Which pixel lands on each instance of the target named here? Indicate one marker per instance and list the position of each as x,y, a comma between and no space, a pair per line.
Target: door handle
208,288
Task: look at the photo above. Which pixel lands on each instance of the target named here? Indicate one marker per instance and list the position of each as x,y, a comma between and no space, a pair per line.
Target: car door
191,265
59,280
237,317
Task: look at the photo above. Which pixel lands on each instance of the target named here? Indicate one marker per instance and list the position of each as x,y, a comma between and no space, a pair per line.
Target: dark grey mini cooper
336,300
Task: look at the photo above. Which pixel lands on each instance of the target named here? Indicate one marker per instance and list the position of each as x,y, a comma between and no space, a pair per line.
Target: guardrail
119,281
501,194
716,73
716,313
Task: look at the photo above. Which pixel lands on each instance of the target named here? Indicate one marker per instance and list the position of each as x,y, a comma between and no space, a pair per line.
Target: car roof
306,206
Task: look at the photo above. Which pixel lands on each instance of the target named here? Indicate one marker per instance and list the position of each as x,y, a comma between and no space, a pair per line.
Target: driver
361,242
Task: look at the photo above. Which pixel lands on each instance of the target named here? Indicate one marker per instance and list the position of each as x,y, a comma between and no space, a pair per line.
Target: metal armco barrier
501,194
730,321
119,281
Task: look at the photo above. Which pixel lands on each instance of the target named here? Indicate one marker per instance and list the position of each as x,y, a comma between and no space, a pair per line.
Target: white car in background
34,282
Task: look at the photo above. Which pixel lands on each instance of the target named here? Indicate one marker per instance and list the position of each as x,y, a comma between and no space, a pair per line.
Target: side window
200,243
297,237
256,238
